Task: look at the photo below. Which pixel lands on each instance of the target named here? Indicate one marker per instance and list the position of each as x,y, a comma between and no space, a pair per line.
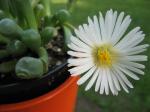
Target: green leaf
29,67
8,66
67,35
47,34
32,39
47,9
50,21
62,16
25,9
9,28
39,12
2,14
3,40
43,55
16,12
16,47
4,5
34,2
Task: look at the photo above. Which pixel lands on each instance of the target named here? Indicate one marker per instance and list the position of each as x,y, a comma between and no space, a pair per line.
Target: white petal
127,72
134,64
110,82
80,69
86,76
134,41
136,58
108,23
136,70
78,54
126,39
87,34
79,43
77,48
137,41
97,29
104,83
122,83
124,78
136,52
102,27
101,91
115,80
114,18
137,48
92,31
123,27
93,80
80,61
117,26
82,35
98,82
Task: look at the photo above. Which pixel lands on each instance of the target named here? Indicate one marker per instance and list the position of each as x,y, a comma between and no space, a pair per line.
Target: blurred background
138,100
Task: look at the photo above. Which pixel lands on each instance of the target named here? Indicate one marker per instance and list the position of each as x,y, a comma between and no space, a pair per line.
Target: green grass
138,100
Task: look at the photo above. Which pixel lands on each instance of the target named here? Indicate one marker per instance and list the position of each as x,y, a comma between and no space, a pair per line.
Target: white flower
105,54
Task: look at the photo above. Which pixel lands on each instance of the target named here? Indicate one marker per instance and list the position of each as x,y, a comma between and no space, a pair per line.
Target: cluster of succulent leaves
26,26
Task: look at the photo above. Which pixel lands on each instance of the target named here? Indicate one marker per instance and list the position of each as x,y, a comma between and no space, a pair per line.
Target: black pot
27,89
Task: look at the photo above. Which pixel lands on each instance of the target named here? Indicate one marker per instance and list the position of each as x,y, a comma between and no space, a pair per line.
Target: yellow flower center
105,55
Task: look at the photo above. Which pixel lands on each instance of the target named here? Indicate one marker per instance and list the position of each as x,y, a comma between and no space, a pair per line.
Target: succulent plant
25,28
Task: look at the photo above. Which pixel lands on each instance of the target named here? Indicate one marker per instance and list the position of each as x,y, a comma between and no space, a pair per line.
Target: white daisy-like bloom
105,55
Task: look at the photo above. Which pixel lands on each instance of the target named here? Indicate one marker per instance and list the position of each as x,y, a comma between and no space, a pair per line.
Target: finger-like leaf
32,39
62,16
16,47
67,35
9,28
44,57
29,67
47,34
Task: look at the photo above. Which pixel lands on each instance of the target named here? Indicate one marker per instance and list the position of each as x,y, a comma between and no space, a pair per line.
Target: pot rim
40,99
18,86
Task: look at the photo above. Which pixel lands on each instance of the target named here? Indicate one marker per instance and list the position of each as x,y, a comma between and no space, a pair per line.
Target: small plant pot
60,99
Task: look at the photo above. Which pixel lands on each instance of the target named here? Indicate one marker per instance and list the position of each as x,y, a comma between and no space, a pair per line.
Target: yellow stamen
104,55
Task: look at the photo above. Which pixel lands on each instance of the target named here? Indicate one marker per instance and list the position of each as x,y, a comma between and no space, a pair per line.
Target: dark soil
56,50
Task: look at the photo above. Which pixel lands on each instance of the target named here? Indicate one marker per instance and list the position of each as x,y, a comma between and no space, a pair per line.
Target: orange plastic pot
62,99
